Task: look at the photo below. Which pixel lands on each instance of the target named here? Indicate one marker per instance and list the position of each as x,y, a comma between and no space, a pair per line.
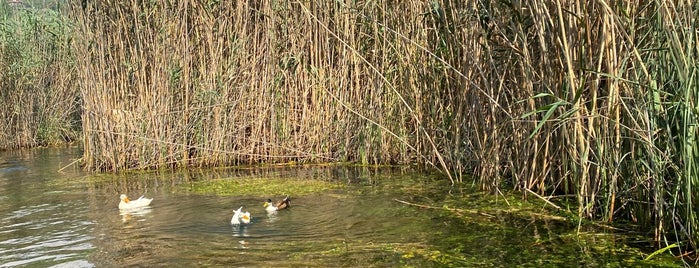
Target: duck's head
245,217
268,203
124,198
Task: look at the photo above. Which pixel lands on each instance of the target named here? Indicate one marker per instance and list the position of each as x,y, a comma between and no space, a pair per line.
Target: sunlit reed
594,99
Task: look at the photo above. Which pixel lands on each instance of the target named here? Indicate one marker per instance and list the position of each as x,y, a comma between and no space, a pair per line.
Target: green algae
261,186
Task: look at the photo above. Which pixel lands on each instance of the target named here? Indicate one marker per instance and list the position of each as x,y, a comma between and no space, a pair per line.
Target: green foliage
36,78
660,251
624,139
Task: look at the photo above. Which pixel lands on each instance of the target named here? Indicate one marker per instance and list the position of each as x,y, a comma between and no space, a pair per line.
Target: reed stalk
592,98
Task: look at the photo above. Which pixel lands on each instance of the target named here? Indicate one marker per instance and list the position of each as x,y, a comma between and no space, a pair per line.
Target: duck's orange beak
245,217
126,200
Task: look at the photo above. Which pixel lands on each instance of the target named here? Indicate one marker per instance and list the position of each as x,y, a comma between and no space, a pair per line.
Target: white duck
132,204
240,217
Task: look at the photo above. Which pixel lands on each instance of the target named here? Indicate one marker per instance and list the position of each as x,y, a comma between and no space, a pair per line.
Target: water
69,219
52,218
40,225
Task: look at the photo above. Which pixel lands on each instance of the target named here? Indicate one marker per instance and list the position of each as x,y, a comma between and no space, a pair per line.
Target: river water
52,214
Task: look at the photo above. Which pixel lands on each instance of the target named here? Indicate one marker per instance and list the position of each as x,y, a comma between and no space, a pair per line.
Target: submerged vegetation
592,99
493,230
261,186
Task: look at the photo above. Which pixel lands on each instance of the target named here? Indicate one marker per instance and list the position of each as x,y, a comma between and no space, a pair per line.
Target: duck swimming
281,204
132,204
240,217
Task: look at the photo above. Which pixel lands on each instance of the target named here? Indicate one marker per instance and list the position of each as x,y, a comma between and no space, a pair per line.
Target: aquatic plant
261,187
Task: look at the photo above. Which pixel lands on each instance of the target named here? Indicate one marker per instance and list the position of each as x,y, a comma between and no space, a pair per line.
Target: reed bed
39,105
596,99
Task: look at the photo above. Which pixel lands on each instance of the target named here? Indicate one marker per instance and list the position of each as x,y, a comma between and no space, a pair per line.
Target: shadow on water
70,219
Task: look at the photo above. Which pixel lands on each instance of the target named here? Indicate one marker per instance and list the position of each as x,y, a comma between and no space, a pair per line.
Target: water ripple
46,234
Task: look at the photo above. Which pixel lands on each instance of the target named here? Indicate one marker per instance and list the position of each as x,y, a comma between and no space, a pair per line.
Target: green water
352,217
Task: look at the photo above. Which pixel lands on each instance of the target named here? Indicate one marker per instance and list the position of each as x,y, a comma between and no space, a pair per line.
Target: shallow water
69,219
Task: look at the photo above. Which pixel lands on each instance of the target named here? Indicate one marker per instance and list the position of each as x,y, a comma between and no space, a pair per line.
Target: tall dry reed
591,98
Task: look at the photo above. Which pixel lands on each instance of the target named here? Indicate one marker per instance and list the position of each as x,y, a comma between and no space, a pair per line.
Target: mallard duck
281,204
131,204
240,217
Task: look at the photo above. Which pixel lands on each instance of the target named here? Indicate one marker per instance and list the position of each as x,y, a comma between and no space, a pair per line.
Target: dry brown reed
591,98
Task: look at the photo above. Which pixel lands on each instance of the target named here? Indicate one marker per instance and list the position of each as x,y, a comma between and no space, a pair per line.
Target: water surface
51,216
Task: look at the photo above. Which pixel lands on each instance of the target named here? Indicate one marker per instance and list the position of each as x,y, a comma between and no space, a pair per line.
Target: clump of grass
261,186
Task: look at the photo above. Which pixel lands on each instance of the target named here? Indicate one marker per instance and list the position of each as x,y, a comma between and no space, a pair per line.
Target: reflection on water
68,219
272,216
134,214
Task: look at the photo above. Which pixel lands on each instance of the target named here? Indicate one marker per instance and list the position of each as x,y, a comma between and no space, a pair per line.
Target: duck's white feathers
240,217
131,204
